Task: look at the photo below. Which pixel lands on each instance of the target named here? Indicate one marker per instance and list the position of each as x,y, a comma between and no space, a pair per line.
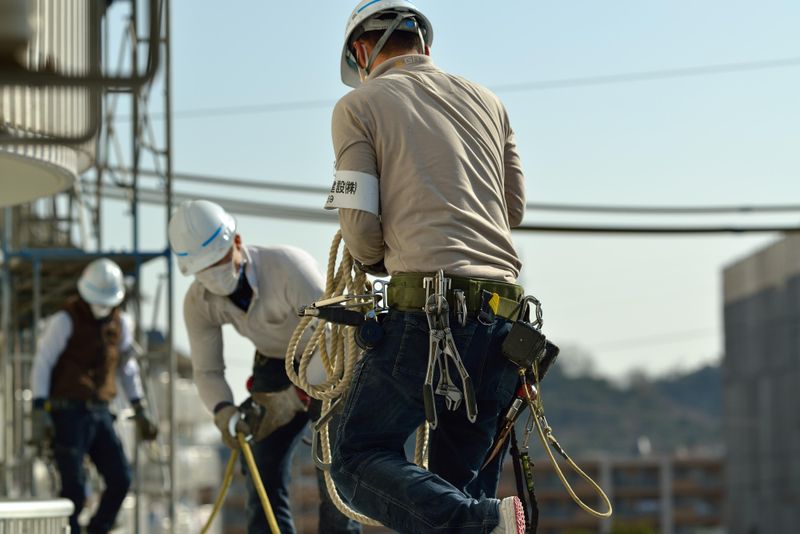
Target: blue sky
720,139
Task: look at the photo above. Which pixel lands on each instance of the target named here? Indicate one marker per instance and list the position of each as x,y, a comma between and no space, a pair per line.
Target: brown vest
87,368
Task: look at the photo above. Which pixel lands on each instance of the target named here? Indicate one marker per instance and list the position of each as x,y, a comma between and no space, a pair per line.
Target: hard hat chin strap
385,37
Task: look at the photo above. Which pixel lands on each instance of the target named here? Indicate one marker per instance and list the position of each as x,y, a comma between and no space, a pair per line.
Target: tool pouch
550,354
526,346
370,332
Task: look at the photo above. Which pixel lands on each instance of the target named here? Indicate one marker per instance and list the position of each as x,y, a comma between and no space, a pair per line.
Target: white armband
355,190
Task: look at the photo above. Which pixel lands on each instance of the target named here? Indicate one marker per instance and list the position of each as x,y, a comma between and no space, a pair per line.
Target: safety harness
352,306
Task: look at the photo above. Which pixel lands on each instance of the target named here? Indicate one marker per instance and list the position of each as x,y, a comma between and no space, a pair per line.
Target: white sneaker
512,517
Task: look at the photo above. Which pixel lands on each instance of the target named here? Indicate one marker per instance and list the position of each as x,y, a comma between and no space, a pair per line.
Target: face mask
100,312
220,280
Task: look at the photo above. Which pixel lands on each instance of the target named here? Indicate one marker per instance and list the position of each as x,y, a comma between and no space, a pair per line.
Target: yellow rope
262,493
546,435
226,484
223,491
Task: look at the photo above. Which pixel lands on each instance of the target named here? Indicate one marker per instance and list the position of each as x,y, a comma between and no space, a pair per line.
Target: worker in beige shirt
427,178
257,290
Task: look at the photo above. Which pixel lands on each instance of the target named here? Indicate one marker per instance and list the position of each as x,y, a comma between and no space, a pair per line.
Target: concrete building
761,390
668,495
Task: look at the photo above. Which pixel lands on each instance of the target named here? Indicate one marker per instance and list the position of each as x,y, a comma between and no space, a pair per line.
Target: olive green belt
407,293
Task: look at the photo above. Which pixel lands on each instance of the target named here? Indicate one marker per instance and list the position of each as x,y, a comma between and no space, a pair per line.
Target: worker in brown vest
84,349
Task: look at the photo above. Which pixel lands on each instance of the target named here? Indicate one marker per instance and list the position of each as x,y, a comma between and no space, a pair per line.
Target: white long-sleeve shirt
53,342
283,279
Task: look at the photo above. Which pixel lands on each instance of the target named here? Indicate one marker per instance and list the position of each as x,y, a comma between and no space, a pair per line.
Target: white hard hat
363,18
201,233
101,283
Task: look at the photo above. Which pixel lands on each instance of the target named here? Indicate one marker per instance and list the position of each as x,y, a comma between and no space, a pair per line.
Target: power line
235,182
667,210
641,76
543,85
281,211
531,206
657,340
655,230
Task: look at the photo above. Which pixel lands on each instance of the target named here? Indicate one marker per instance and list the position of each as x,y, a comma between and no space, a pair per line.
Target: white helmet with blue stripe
101,283
200,233
373,15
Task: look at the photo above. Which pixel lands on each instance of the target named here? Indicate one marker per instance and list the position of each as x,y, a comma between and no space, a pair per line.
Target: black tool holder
341,310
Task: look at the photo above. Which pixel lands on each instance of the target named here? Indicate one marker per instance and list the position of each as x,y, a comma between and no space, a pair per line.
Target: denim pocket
412,353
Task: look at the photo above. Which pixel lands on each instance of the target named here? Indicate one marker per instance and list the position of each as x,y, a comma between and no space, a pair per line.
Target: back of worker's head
102,286
381,29
204,240
403,40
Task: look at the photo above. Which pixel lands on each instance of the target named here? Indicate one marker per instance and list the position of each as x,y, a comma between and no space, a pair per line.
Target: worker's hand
145,427
222,418
279,408
42,427
376,269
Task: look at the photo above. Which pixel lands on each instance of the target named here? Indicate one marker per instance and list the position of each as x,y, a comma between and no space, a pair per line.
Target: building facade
761,390
664,495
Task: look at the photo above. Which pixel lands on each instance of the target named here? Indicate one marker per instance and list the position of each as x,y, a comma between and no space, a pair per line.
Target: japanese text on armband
355,190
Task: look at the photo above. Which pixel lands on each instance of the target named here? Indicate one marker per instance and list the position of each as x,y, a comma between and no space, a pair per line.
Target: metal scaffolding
47,243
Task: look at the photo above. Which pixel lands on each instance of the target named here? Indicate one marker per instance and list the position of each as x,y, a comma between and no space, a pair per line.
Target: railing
35,516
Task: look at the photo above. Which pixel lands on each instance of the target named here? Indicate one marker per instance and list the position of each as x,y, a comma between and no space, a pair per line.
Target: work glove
145,427
279,408
376,269
42,427
222,419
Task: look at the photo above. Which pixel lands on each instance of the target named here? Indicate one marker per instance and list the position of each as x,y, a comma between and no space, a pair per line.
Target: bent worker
258,290
427,178
84,349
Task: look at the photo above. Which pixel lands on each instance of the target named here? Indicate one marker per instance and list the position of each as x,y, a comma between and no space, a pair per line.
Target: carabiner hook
526,301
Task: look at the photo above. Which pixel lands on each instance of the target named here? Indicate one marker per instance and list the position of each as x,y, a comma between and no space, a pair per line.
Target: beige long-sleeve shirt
283,279
440,154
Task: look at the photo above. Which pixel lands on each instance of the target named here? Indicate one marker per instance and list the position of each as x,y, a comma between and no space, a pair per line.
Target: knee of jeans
126,480
343,468
120,482
76,494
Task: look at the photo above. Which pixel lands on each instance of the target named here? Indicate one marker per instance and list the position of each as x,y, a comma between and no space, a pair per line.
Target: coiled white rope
339,353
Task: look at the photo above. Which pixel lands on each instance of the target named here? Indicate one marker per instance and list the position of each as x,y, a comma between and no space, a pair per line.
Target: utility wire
655,230
667,210
657,340
235,182
282,211
543,85
642,76
532,206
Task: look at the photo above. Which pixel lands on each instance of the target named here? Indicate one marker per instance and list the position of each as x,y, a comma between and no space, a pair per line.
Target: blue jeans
273,456
80,431
384,406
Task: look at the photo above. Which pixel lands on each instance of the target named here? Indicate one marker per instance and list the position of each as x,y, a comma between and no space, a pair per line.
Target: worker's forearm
362,234
213,388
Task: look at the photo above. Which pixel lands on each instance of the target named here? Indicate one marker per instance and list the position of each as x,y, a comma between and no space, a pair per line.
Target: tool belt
74,404
406,293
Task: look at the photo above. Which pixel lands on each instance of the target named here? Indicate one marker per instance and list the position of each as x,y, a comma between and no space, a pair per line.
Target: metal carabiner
461,306
526,301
